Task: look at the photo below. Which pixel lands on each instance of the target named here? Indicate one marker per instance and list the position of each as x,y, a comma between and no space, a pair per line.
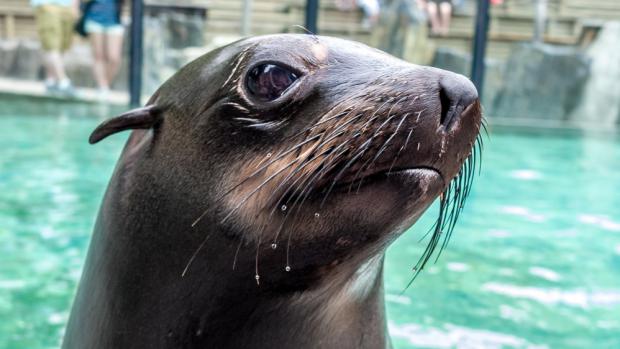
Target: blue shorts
92,27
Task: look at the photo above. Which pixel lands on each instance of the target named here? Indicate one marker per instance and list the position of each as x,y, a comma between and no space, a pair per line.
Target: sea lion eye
267,82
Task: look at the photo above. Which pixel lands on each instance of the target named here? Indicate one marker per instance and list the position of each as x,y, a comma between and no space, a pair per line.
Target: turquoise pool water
534,263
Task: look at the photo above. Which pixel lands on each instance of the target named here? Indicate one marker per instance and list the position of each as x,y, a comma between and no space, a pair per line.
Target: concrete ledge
36,89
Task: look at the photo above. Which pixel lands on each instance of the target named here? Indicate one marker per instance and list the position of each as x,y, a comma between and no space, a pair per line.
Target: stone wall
538,81
542,82
23,59
20,59
601,96
172,38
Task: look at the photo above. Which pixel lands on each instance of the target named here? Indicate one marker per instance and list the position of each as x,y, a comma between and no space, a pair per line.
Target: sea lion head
314,151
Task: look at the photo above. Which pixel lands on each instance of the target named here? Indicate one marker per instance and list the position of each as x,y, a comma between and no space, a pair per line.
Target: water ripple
553,296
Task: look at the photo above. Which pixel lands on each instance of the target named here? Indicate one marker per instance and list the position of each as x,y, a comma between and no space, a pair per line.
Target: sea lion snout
457,93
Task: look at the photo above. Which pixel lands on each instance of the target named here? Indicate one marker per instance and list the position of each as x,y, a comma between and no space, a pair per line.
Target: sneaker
66,89
51,87
103,94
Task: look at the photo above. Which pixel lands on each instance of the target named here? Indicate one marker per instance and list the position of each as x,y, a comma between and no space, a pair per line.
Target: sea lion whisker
483,125
347,165
220,197
240,59
244,200
385,144
452,200
265,126
455,211
324,120
430,247
311,177
307,189
335,130
308,31
237,253
257,275
461,187
281,155
303,195
300,178
403,147
366,165
334,134
331,164
309,180
345,124
374,115
478,150
290,175
263,160
191,260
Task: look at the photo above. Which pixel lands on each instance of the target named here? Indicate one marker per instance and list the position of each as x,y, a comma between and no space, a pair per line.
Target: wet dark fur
203,199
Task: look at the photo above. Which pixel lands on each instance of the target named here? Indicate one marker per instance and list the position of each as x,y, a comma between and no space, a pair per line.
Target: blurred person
439,13
55,20
459,5
345,5
370,8
103,26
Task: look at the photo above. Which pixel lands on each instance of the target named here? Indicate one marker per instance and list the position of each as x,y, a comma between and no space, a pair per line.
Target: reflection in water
551,296
451,336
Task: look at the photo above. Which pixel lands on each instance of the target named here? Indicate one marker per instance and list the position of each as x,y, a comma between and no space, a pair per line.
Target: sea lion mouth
396,175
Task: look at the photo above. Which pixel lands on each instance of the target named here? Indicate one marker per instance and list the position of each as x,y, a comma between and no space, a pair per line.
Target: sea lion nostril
456,92
445,107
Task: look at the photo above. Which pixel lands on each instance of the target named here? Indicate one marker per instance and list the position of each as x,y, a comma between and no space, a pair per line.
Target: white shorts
92,27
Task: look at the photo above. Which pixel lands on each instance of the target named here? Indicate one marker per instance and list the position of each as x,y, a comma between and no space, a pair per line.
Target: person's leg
66,38
97,43
371,9
114,53
445,10
49,29
345,5
433,16
53,63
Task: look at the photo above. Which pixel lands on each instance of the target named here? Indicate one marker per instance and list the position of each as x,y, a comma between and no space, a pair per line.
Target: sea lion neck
203,307
197,299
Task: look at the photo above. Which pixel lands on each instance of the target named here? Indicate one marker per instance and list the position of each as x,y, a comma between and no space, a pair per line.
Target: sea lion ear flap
140,118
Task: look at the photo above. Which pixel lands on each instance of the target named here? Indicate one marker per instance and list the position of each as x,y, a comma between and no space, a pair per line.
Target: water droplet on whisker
283,208
274,246
317,215
287,268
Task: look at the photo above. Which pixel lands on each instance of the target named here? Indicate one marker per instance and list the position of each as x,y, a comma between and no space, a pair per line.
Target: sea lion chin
255,198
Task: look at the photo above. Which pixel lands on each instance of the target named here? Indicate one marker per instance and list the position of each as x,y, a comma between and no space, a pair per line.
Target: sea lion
253,202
